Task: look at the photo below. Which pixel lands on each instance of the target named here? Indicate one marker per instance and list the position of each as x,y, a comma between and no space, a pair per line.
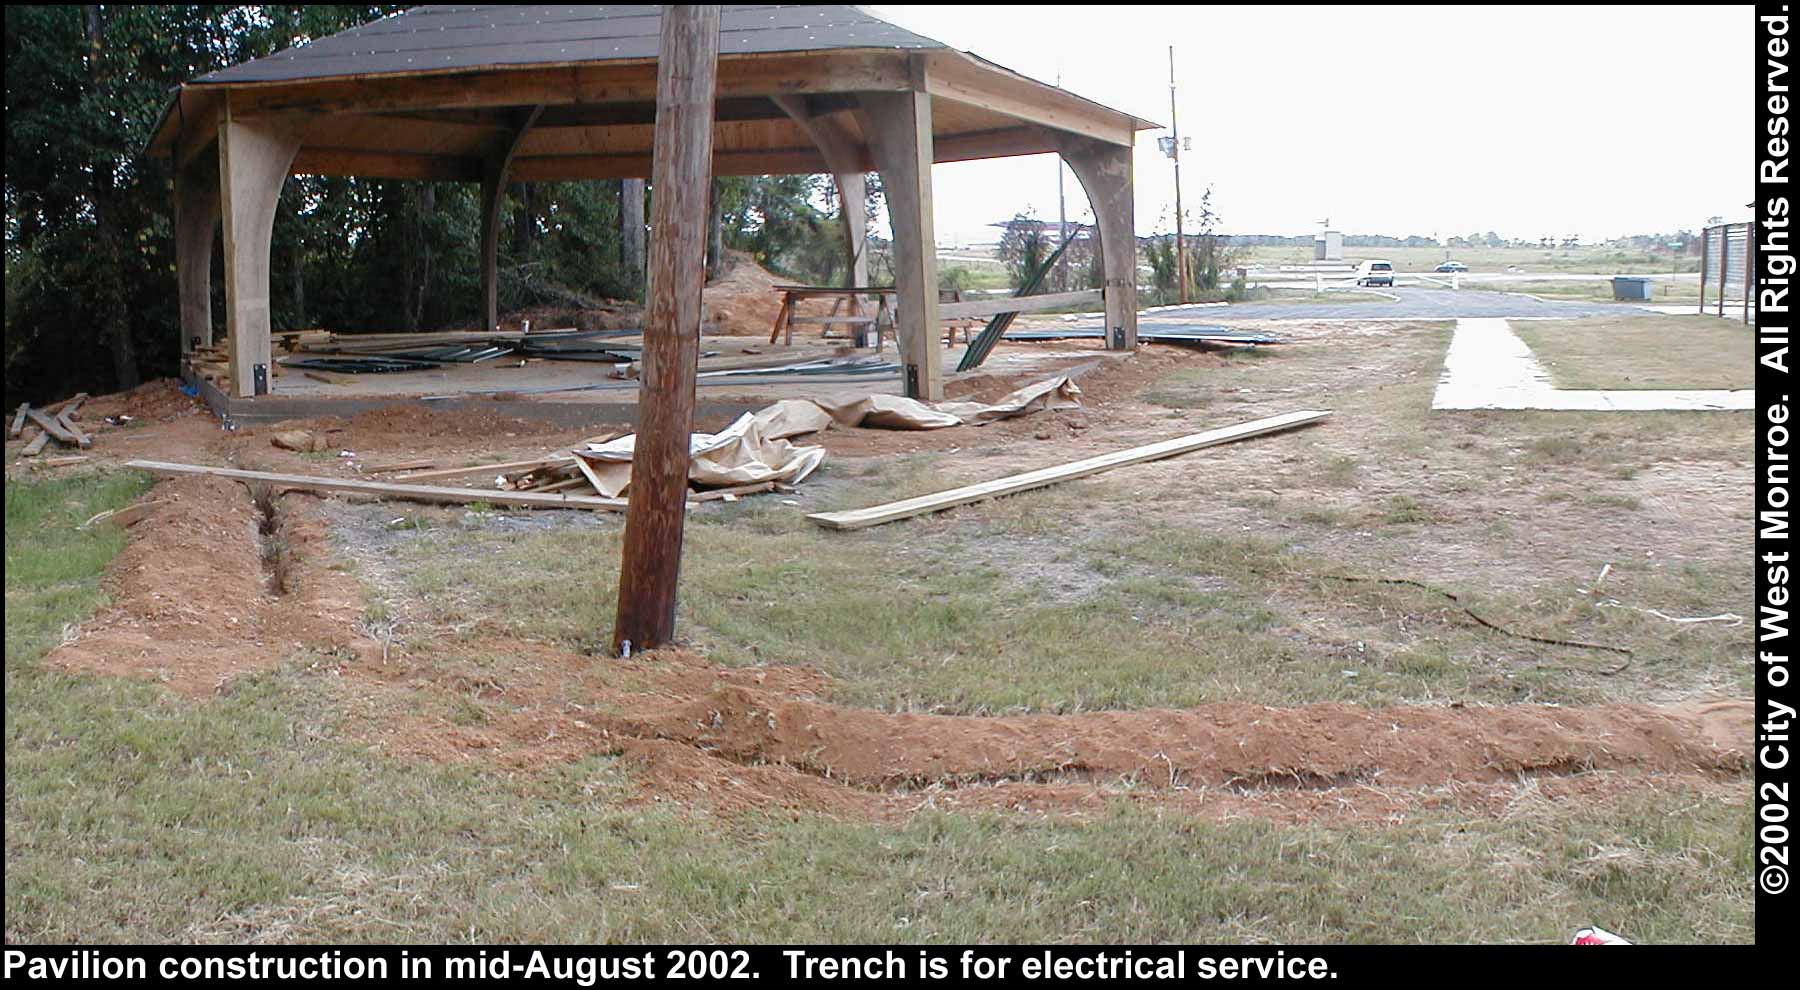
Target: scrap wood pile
320,350
54,422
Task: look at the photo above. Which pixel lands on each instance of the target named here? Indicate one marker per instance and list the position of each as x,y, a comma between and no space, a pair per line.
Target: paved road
1414,304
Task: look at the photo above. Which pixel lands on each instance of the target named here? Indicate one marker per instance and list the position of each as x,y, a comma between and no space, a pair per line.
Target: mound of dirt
742,301
211,587
1232,746
158,401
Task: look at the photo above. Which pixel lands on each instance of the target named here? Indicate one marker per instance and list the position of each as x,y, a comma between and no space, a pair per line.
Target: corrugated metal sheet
443,37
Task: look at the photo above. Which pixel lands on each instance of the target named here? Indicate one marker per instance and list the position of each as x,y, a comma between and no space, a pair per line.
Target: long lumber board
411,493
892,511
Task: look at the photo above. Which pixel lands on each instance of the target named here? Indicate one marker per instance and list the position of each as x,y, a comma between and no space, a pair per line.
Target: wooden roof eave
1032,115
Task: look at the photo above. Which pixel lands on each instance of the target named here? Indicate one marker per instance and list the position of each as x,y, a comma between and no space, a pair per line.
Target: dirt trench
218,582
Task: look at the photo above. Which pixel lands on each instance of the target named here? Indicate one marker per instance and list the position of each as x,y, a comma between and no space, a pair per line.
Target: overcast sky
1426,120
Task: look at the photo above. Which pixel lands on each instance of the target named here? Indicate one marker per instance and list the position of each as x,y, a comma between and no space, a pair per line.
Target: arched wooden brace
844,156
898,125
1105,173
196,223
493,194
254,157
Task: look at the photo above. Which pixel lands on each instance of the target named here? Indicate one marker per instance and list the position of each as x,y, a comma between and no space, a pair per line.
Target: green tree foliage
90,281
1023,247
786,223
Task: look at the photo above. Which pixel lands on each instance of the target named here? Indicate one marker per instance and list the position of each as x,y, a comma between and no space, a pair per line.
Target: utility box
1328,246
1631,288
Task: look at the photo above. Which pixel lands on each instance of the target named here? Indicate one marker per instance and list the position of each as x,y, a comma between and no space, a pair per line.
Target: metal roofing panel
462,37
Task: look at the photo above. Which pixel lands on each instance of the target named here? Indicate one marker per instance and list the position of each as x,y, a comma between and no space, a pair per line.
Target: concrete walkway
1489,367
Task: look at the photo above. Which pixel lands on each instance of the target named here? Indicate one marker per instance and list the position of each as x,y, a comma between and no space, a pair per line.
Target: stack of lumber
53,422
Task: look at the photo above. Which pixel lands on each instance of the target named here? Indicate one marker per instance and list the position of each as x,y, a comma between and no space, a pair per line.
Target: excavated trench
218,580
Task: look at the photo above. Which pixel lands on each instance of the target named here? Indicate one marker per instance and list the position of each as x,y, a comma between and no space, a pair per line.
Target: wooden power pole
1181,258
681,175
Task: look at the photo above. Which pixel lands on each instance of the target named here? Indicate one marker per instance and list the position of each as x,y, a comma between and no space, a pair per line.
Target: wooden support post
196,222
1705,243
1724,263
254,155
899,130
650,565
631,228
493,193
1105,173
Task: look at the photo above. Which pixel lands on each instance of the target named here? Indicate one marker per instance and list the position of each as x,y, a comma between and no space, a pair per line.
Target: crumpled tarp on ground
740,454
755,448
794,417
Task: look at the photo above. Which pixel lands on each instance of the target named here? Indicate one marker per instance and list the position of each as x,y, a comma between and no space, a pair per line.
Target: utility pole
681,174
1181,258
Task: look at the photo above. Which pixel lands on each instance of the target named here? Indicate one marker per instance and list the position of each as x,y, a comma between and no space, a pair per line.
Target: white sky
1528,121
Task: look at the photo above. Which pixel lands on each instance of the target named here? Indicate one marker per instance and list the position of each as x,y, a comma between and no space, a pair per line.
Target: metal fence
1727,270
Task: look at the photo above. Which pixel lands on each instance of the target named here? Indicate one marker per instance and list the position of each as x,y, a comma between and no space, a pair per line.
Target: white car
1375,273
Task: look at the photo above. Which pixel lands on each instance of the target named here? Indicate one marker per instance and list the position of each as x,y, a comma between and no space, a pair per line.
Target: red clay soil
202,595
209,588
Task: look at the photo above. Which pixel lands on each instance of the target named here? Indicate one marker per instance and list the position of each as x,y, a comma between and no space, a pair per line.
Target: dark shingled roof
441,37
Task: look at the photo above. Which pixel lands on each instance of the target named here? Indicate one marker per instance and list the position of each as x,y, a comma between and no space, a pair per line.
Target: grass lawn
133,816
1636,351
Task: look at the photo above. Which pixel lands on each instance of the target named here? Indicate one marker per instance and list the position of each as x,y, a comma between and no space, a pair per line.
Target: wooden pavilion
497,94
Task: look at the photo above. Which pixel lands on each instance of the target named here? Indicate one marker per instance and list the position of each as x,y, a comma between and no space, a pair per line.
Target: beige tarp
740,454
755,448
793,417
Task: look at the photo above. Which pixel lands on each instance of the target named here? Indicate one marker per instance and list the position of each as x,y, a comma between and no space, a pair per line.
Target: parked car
1451,266
1375,273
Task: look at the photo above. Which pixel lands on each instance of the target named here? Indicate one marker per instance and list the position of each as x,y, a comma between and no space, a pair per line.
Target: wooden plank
500,468
53,426
72,402
18,423
410,493
64,420
1018,304
35,445
859,321
421,465
650,560
715,494
891,511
